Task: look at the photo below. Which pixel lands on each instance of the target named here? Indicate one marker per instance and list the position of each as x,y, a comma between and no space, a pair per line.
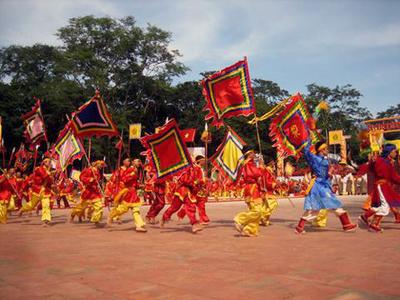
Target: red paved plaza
80,261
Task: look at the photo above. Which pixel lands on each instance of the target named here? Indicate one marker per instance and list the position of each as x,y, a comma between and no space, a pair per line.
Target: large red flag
166,151
228,93
290,130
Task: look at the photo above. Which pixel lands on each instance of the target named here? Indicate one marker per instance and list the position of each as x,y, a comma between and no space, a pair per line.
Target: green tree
392,111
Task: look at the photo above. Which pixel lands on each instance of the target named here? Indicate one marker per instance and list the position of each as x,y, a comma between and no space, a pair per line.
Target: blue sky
293,43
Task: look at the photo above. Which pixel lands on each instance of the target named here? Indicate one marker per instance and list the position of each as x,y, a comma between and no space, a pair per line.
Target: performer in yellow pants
41,191
92,194
248,222
3,212
123,208
270,204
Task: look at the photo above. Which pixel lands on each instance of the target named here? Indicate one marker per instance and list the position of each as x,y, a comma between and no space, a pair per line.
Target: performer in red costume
199,191
159,189
128,197
92,194
41,184
6,192
247,223
187,184
383,197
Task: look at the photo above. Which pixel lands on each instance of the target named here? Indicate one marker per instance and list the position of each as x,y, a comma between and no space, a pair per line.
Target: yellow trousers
11,204
28,206
123,208
3,212
45,201
321,219
250,220
97,214
270,204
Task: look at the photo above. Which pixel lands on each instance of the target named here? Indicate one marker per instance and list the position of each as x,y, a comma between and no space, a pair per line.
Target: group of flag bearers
171,175
188,193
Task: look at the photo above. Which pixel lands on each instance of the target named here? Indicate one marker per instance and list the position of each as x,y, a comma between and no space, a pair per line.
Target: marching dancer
128,197
248,222
383,197
92,194
41,186
320,194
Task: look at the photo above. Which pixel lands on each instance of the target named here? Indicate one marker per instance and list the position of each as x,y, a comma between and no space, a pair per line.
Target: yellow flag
376,140
335,137
135,131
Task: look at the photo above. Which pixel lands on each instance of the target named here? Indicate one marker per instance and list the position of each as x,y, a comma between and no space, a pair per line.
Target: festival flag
290,129
68,147
188,135
335,137
22,158
166,151
376,139
35,130
229,155
228,93
135,131
93,119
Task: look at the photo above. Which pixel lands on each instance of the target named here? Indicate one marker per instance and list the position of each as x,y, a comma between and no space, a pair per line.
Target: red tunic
90,178
251,178
130,178
5,189
41,180
385,178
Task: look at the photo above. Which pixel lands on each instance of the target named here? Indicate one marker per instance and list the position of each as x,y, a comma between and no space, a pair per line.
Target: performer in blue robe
320,195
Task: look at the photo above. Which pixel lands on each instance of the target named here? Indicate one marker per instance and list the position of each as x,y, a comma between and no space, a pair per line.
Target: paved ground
79,261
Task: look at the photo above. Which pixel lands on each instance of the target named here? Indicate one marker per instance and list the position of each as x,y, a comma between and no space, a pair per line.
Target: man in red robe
383,197
92,194
41,186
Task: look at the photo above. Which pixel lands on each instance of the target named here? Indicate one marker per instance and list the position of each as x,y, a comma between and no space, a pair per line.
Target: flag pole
206,151
35,156
258,134
11,157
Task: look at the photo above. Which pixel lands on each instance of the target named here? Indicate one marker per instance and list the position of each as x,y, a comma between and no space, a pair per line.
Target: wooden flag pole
11,157
35,156
258,135
206,152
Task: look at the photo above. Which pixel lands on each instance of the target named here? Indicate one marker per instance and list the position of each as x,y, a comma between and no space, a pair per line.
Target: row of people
129,185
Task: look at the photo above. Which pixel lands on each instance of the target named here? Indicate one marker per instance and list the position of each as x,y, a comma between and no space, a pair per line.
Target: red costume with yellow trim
159,189
383,196
91,195
40,184
128,198
5,196
185,194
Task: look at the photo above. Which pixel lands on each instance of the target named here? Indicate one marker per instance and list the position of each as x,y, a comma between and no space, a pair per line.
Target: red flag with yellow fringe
166,151
228,93
291,128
